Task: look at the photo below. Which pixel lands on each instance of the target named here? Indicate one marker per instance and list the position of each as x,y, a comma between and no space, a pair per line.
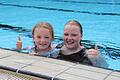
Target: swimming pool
100,21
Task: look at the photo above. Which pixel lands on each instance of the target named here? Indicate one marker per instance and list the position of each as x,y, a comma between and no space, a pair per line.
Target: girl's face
42,38
72,36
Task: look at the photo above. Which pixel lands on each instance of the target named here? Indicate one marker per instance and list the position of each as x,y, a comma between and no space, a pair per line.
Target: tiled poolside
51,69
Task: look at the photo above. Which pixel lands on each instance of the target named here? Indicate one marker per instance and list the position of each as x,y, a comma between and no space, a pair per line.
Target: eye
65,34
46,37
38,36
74,35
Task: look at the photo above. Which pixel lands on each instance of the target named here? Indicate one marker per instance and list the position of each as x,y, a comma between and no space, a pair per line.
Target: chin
41,48
70,47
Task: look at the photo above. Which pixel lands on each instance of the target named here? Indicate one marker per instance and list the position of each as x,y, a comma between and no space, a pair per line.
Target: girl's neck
67,51
43,50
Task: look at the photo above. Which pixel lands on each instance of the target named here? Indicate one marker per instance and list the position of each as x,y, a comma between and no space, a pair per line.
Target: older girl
72,50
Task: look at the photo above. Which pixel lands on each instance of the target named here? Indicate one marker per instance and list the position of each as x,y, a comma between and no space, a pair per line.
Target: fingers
31,54
92,52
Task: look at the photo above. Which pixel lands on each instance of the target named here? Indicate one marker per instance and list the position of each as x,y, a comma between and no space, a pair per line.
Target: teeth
70,42
42,44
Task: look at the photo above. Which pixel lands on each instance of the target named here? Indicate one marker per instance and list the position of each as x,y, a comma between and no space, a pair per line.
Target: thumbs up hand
19,43
92,53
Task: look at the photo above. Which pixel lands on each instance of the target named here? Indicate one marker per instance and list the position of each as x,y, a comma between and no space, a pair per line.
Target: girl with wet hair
71,49
43,35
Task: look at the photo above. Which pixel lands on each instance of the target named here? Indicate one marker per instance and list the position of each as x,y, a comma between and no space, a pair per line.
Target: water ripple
64,10
85,2
12,28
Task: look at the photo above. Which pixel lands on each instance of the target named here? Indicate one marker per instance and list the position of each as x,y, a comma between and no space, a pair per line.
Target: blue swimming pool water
100,20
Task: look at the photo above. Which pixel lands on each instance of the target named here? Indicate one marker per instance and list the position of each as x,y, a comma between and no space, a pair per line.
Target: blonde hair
45,25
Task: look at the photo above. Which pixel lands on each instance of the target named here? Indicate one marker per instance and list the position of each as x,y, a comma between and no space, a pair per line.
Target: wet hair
74,22
45,25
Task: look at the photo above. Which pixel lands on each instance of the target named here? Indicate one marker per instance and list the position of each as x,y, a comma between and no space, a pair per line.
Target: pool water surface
99,18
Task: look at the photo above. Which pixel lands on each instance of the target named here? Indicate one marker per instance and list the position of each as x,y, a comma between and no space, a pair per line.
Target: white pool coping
53,68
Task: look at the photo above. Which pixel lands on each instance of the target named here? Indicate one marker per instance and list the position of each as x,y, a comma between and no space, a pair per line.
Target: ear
81,37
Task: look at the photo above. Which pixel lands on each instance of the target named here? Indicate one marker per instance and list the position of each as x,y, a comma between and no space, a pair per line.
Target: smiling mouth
43,44
70,42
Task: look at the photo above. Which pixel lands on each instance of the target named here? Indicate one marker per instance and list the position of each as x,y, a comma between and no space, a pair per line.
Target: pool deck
53,69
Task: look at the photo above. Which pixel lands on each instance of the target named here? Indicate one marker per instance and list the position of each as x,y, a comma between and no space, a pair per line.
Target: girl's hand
92,53
19,43
31,54
34,54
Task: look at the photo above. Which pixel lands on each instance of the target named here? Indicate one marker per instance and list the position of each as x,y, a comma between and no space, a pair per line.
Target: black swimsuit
79,57
76,57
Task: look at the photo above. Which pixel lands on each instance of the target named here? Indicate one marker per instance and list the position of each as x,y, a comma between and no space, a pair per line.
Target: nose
69,37
42,39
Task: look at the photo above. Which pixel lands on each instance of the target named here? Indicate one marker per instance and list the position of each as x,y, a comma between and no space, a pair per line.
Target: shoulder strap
83,51
59,45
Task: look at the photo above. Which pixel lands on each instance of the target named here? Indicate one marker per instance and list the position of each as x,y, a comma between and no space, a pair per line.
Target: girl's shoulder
54,52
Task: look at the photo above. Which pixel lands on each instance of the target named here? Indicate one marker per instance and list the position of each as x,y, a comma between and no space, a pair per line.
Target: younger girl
43,35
